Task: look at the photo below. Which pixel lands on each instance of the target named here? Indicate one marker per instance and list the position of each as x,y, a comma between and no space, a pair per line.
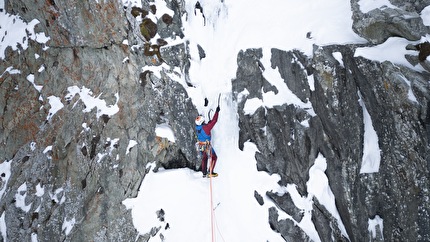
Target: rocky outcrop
69,164
287,147
402,19
289,137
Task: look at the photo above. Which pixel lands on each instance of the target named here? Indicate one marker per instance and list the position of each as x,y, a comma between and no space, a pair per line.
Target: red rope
212,207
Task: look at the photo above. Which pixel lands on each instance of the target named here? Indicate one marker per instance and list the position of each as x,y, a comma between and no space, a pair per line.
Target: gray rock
337,132
380,24
89,170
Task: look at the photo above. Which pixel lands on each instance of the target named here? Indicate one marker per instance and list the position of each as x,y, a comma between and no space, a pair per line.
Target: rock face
71,169
399,20
397,192
74,149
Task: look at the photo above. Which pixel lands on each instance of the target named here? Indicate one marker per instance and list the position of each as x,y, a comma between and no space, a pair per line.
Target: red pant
205,161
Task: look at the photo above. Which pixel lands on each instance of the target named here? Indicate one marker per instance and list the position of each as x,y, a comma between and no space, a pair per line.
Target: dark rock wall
398,192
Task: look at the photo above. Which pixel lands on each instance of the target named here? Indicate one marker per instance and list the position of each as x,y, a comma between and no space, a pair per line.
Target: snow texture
15,32
369,5
374,224
165,131
91,102
371,152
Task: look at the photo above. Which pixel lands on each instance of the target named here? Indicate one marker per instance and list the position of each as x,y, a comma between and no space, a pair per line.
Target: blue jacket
201,134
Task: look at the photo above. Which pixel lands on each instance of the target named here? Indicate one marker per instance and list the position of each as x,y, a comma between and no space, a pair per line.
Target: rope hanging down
211,197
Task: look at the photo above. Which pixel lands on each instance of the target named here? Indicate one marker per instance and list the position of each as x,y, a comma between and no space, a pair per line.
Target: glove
206,102
217,109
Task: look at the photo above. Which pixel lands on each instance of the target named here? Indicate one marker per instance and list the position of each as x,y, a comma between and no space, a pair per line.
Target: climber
204,142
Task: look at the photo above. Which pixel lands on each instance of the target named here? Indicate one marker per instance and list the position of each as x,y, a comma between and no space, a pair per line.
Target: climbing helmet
200,120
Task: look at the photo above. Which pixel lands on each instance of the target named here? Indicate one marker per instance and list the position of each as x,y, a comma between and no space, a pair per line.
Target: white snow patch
56,105
86,96
11,71
55,195
411,94
338,57
68,225
4,175
311,82
371,152
20,196
30,78
425,15
85,127
40,191
112,144
100,157
131,3
47,150
318,186
33,146
3,227
34,237
368,5
393,50
131,144
15,33
165,131
373,226
251,105
41,69
305,204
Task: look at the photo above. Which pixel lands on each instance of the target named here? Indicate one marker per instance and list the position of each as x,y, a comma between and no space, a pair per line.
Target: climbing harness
205,146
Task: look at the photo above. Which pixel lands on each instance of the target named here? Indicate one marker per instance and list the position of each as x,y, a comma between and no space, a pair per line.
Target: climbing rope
207,148
209,154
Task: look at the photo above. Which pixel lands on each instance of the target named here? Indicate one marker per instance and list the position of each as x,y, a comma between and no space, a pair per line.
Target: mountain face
78,118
